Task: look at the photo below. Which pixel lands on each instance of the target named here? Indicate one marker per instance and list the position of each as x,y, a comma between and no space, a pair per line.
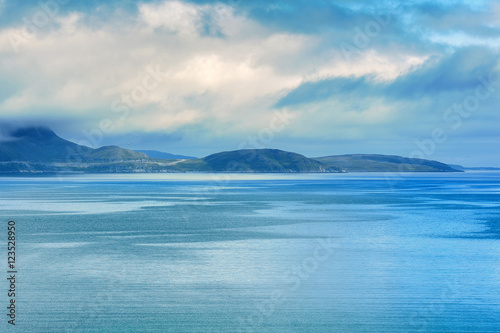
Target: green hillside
262,160
384,163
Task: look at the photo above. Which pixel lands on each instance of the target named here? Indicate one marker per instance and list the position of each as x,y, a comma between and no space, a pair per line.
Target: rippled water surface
255,253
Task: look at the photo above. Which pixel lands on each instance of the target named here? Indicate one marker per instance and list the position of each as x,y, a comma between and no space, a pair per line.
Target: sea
356,252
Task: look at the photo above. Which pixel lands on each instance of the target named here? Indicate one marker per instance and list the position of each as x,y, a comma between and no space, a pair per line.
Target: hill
165,156
457,167
114,154
384,163
257,160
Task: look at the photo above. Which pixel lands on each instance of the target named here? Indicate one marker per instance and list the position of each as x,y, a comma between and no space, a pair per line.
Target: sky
410,78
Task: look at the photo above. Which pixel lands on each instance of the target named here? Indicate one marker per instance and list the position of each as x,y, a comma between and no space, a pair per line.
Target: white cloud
174,16
69,24
222,69
383,67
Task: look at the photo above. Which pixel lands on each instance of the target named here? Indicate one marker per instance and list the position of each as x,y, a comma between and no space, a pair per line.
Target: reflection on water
257,253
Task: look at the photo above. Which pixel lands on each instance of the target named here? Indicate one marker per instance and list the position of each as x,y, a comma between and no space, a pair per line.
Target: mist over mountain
41,144
37,144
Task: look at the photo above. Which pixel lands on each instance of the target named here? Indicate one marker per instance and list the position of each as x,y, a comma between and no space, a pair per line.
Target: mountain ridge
41,150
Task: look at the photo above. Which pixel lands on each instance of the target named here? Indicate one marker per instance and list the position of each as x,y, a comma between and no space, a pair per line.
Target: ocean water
254,253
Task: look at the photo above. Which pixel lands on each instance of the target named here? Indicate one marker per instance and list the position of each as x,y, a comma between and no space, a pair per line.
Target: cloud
224,67
86,70
459,72
177,17
452,17
448,93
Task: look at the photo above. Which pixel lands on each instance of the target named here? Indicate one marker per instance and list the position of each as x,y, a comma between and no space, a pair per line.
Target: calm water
255,253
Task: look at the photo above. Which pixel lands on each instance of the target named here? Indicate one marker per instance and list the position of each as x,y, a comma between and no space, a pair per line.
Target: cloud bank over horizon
414,78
